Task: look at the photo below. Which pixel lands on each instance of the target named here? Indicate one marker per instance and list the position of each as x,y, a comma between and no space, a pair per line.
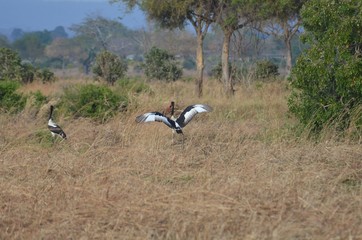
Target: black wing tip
63,135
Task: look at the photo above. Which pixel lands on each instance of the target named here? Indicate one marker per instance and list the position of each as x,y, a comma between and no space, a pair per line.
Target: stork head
170,109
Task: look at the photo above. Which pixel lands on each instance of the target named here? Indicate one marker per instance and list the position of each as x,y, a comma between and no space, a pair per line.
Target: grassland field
242,172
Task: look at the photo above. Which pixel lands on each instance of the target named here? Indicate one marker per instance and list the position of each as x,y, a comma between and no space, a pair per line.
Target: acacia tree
97,34
284,20
175,14
64,49
233,15
99,30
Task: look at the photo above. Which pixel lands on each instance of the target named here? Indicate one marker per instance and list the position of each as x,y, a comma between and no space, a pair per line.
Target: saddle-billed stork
175,124
53,127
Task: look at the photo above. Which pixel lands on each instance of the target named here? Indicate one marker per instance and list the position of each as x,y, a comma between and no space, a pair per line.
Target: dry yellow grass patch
240,175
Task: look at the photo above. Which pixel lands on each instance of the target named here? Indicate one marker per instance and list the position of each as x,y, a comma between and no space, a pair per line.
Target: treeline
56,49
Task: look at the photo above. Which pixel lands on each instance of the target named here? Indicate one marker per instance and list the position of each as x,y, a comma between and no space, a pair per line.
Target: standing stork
53,127
175,124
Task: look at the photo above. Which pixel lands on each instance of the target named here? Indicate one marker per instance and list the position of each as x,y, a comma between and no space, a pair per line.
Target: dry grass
241,174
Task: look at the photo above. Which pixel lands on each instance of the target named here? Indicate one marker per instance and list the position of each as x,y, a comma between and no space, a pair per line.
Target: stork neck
172,106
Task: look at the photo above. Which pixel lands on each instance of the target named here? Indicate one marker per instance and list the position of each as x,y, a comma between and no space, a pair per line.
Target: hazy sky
32,15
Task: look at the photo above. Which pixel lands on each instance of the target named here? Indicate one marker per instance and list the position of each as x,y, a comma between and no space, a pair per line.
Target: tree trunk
199,64
226,78
288,53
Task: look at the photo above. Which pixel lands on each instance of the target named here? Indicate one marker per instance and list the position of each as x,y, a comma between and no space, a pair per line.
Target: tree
284,20
10,67
231,16
59,32
161,65
109,67
175,14
16,34
32,45
327,79
63,49
101,31
97,34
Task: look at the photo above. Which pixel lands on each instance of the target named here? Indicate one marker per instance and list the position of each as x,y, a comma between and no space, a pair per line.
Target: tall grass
241,174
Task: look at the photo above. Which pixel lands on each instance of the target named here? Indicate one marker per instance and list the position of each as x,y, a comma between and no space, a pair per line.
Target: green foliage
327,80
92,101
161,65
13,70
28,73
266,69
168,14
10,66
31,45
46,75
109,67
10,101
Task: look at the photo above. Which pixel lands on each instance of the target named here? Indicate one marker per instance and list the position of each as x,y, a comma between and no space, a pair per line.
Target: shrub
161,65
266,69
10,101
327,80
28,73
46,75
92,101
109,67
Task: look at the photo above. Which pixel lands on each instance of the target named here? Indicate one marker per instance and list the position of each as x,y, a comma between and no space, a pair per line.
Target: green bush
109,67
92,101
46,75
266,69
161,65
28,73
327,80
10,101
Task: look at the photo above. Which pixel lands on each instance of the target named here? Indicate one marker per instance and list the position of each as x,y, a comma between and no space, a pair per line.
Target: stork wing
189,112
53,127
156,117
57,130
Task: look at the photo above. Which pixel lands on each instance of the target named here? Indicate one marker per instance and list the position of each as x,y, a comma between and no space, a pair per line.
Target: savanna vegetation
279,157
